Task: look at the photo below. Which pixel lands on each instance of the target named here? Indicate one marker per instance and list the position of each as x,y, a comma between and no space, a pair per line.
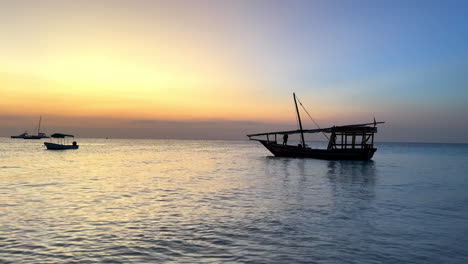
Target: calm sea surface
156,201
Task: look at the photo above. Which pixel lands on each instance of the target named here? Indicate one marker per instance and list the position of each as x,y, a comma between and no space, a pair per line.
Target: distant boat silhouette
39,135
339,148
62,142
24,135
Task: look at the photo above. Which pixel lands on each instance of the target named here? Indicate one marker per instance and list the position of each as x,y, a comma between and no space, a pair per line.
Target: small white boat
62,142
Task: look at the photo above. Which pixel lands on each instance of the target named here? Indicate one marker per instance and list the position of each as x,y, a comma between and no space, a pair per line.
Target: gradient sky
220,69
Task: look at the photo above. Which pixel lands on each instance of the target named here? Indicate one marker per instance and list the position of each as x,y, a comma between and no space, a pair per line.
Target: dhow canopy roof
370,127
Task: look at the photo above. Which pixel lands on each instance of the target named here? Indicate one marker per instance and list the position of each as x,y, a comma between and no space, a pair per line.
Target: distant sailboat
39,135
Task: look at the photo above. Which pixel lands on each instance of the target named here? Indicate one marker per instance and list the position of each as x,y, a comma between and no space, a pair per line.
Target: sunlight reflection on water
229,201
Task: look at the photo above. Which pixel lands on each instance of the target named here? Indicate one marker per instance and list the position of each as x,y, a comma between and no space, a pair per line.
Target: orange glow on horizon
142,71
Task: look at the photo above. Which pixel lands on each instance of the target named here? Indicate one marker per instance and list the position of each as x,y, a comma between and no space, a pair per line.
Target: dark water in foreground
153,201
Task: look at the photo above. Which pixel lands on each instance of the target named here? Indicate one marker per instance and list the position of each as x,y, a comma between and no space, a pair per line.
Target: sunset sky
220,69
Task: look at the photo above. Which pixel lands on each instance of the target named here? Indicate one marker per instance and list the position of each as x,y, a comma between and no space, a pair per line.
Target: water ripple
151,201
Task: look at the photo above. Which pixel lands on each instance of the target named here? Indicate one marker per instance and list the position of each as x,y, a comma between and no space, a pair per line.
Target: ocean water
169,201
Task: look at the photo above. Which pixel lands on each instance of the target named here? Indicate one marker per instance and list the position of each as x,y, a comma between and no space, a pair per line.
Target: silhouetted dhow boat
350,142
62,142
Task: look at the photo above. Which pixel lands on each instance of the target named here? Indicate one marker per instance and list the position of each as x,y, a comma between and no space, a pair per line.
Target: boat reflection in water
361,173
350,142
62,142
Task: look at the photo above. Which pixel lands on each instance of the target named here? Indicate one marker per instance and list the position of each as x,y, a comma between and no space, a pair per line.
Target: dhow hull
334,154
